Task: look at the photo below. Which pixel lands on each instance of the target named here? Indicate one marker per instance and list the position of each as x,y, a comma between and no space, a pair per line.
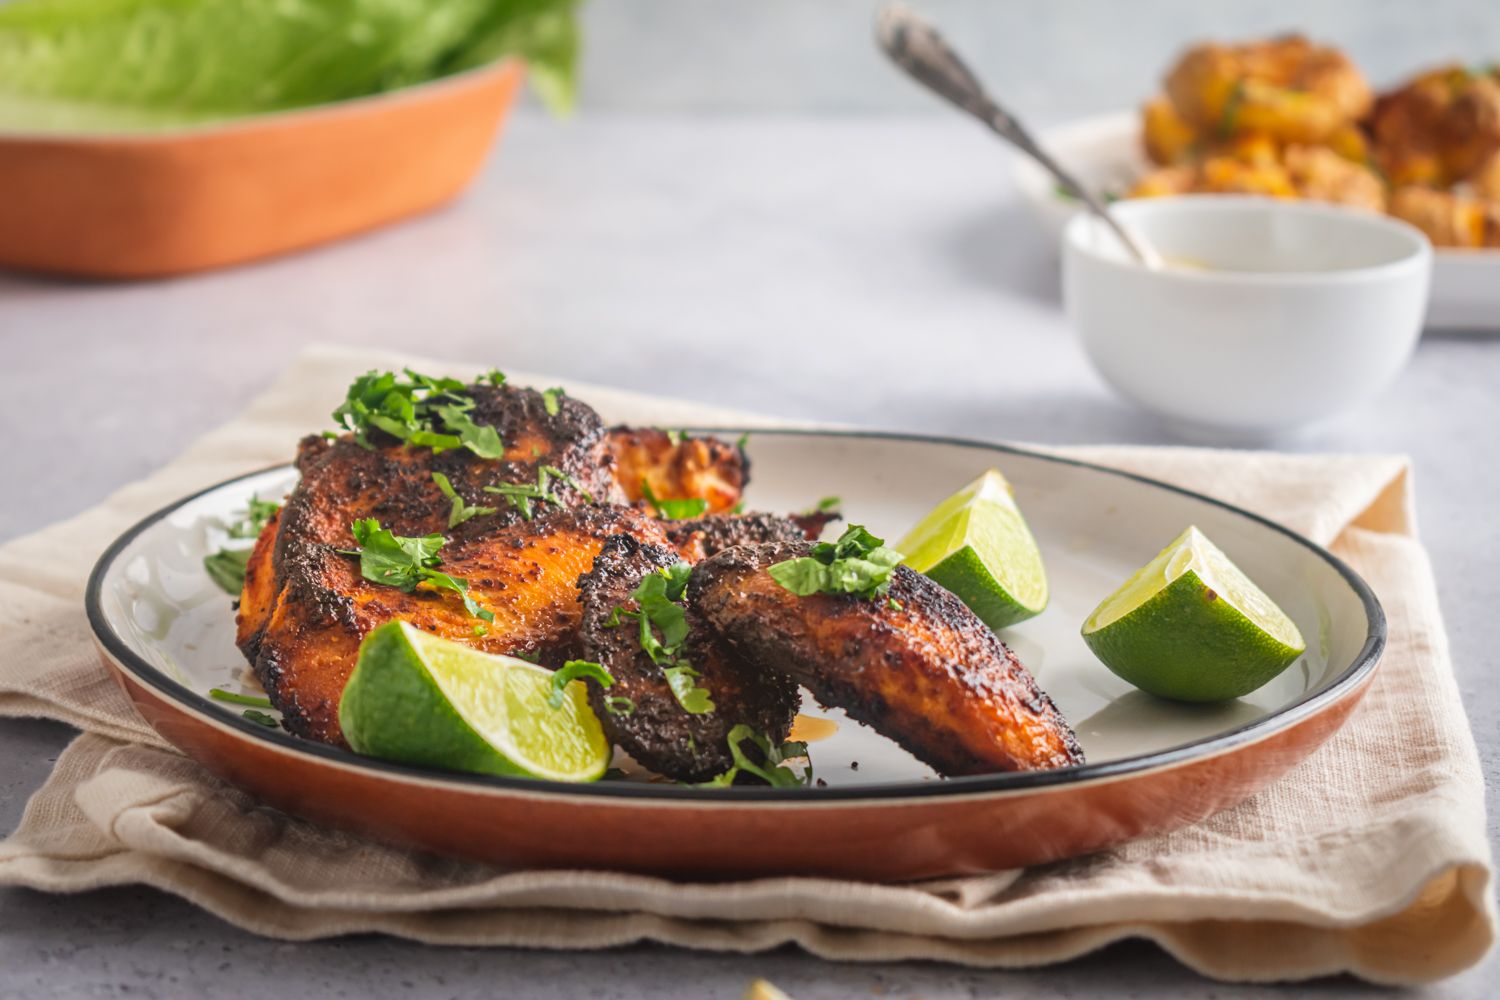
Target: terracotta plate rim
1348,682
365,103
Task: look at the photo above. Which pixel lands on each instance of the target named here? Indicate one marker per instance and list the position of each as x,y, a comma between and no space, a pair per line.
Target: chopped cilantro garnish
893,604
577,670
858,563
549,400
421,410
481,630
1230,116
682,680
738,508
460,511
403,563
824,505
521,495
743,440
664,629
258,514
529,655
617,705
261,718
770,768
494,377
673,510
226,568
219,694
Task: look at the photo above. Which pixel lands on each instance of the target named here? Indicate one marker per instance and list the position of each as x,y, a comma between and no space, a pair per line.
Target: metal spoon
915,45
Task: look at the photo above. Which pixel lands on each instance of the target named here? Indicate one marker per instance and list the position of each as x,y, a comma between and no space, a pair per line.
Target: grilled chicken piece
683,469
701,537
660,733
305,607
525,572
342,481
929,674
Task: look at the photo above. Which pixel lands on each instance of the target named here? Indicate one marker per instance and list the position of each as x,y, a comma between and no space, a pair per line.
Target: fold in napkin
1371,857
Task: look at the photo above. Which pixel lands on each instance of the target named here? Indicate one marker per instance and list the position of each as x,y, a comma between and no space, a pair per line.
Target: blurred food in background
120,65
1292,119
143,138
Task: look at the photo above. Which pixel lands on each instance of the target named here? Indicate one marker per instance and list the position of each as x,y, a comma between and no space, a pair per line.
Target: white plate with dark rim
167,633
1105,153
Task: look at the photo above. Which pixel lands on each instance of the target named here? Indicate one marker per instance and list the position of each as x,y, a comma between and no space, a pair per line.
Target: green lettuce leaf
128,64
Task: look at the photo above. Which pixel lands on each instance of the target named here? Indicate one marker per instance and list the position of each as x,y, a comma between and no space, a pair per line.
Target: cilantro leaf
659,595
673,510
219,694
261,718
664,630
824,505
695,700
858,563
521,495
420,410
258,514
549,401
460,511
1229,117
404,562
461,588
770,768
577,670
226,568
559,474
482,439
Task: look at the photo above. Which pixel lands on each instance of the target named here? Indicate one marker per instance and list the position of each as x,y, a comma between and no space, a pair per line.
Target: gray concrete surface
854,267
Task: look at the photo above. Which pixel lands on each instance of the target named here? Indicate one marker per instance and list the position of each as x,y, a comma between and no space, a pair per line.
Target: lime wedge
1191,626
977,545
419,699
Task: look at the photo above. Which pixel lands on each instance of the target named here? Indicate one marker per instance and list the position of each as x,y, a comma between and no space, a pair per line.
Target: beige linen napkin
1370,858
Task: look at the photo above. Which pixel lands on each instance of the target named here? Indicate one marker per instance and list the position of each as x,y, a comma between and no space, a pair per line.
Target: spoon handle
915,46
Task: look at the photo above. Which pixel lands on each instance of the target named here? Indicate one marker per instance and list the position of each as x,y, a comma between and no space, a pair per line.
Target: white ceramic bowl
1298,311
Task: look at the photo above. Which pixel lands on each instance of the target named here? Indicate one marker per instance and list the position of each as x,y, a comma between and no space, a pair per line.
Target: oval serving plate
167,634
1105,152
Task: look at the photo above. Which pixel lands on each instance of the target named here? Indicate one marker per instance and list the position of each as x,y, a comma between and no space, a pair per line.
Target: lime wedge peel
420,699
1190,625
977,544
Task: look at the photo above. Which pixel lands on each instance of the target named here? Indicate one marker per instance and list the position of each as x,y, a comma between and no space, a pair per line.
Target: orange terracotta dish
142,205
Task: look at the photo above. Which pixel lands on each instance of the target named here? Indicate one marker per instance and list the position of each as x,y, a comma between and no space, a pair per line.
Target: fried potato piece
1167,137
1287,88
1439,128
658,732
920,667
1165,182
1449,220
1224,175
1486,179
1320,174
